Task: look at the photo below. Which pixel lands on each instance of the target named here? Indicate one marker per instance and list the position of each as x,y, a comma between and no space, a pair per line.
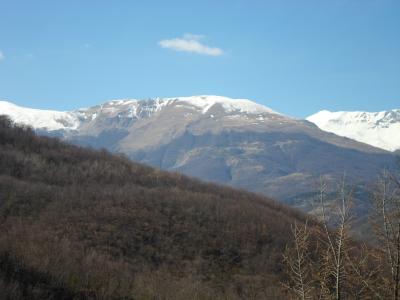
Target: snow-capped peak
130,108
379,129
39,119
205,102
201,103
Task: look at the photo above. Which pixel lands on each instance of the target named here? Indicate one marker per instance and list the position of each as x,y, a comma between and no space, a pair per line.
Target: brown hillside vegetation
82,224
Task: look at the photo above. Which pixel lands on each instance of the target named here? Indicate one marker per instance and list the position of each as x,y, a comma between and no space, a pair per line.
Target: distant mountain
40,119
123,109
77,223
231,141
379,129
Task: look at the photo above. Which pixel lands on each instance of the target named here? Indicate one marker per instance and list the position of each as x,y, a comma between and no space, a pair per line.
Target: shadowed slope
98,225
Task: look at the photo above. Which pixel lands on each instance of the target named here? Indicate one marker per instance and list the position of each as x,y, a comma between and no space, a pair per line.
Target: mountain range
236,142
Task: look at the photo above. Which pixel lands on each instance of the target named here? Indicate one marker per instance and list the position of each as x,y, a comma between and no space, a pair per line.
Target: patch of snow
122,102
133,111
160,103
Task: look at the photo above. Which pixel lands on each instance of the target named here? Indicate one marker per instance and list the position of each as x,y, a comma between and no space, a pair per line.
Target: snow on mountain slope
204,103
40,119
201,103
125,108
379,129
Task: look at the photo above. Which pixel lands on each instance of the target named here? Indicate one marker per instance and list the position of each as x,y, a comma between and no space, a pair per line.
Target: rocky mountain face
234,142
379,129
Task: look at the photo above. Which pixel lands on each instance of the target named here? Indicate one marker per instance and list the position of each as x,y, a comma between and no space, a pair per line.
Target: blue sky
296,57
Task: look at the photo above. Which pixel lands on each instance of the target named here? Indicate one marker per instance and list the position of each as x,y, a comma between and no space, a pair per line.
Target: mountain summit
379,129
127,109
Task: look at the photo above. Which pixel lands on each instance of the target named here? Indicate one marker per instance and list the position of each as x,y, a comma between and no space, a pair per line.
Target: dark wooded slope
77,223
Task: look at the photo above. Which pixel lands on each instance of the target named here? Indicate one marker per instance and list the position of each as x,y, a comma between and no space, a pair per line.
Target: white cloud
1,55
190,43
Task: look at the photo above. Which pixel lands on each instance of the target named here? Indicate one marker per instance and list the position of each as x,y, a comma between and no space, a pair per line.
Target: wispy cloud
1,55
190,43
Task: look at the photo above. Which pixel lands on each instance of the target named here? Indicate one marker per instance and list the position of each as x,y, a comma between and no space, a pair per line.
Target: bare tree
299,264
364,269
387,227
336,238
343,268
328,275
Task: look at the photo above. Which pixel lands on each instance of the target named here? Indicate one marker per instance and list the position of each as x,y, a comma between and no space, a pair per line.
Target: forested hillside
77,223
